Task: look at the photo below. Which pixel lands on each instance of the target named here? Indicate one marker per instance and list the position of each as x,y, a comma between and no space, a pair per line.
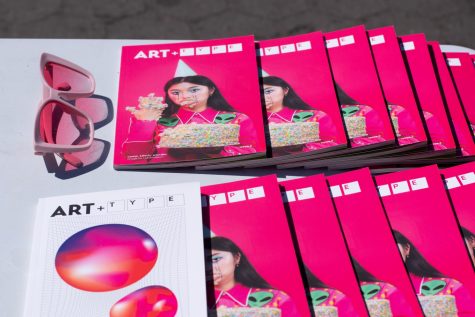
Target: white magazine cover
128,253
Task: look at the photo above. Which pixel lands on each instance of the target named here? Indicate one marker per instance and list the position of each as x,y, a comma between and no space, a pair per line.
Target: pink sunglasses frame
51,94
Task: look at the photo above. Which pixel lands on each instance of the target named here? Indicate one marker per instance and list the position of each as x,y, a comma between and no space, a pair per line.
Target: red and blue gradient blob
151,301
106,257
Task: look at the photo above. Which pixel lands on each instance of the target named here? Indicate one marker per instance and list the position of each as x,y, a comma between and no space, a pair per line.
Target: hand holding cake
149,108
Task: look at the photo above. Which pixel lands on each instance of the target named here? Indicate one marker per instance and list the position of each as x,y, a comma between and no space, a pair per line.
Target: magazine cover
302,109
299,95
187,102
251,261
460,182
402,105
125,253
383,279
334,289
361,99
463,74
421,69
463,130
429,240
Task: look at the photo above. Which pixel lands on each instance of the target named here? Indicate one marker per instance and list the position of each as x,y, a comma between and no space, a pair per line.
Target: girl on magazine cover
284,106
428,281
325,296
238,287
190,100
363,124
376,293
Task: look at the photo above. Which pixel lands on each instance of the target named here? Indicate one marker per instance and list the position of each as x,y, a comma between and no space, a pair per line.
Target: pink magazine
405,116
359,91
460,182
334,289
460,123
429,240
379,267
303,114
361,99
187,102
300,64
463,74
254,267
421,70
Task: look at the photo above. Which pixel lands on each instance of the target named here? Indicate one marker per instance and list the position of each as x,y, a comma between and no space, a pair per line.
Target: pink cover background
394,78
427,88
462,129
464,78
369,236
260,228
355,72
235,75
321,241
426,218
308,72
462,197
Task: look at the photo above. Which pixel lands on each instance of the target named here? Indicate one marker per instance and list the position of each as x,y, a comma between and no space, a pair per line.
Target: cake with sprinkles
325,311
200,135
379,308
394,110
355,121
438,305
395,122
249,312
149,102
295,133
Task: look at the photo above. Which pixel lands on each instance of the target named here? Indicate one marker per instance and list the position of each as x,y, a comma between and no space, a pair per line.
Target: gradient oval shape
150,301
106,257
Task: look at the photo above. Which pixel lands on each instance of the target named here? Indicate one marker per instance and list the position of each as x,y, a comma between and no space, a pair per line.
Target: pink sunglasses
61,127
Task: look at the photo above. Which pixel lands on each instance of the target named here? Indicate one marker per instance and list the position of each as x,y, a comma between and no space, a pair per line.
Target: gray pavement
446,21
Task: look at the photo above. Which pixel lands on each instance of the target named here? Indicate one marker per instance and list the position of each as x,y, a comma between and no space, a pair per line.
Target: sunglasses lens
66,79
96,108
89,157
63,125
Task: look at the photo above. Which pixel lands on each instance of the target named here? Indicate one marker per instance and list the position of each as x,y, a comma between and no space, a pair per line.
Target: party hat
183,70
263,73
208,233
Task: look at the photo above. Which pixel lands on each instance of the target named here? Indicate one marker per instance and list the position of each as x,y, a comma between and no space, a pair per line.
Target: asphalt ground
449,22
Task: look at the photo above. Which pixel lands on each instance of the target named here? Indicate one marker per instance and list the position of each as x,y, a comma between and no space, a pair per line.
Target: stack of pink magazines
343,245
338,100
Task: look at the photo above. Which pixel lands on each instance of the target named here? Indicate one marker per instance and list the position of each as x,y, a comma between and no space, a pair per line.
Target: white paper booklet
126,253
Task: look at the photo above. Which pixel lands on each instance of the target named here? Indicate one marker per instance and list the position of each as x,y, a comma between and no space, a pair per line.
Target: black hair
362,274
313,280
467,234
245,273
291,100
344,98
215,101
415,262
